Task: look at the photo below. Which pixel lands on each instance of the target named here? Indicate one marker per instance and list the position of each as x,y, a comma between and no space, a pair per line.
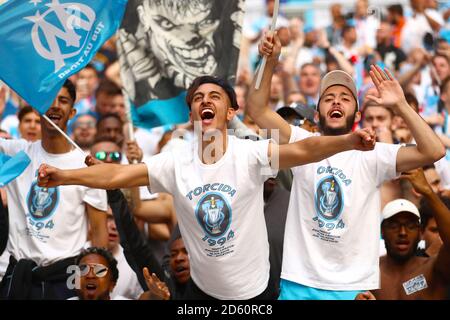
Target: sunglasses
99,270
114,156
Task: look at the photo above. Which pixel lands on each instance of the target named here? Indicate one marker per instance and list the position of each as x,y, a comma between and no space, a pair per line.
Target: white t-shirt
333,224
220,211
413,32
127,285
47,224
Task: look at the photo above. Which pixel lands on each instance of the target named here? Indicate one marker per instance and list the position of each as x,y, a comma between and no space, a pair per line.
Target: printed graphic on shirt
415,284
329,204
329,199
214,215
41,203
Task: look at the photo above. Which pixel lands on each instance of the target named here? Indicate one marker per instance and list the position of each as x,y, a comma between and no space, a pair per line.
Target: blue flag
164,45
12,167
43,42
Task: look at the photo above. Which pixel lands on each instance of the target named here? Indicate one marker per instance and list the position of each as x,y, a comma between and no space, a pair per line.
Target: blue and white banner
12,167
164,44
43,42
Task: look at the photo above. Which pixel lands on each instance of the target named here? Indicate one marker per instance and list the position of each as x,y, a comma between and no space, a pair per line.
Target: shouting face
337,111
181,35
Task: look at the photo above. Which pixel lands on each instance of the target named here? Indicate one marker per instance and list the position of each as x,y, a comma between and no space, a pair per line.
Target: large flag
164,44
12,167
43,42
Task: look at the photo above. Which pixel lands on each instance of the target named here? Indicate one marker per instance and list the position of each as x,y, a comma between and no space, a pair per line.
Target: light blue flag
43,42
12,167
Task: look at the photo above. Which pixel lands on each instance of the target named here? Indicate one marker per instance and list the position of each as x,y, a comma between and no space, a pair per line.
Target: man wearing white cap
404,275
332,232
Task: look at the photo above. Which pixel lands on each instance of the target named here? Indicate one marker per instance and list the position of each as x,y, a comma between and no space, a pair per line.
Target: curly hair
112,262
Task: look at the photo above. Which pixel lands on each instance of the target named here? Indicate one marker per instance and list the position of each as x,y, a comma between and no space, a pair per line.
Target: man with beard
331,240
404,275
217,189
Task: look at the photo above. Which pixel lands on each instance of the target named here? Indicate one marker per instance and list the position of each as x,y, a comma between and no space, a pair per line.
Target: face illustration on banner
180,33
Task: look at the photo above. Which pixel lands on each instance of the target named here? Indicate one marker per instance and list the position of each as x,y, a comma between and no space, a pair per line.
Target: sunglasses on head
114,156
99,270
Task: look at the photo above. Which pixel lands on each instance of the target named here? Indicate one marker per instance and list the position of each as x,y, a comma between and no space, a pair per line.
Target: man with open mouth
404,274
217,184
48,227
332,232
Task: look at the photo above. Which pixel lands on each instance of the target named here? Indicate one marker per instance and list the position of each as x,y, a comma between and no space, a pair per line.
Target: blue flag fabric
164,44
12,167
43,42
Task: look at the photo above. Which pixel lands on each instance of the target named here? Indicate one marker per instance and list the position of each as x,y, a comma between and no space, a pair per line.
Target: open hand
390,92
418,181
157,289
363,139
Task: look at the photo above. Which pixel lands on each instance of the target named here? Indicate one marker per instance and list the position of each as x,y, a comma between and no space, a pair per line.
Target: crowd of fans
140,254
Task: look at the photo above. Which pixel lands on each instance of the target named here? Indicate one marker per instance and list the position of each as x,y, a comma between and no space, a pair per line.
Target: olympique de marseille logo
66,39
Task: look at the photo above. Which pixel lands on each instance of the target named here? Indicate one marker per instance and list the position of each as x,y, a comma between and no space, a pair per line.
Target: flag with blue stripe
43,42
164,44
12,167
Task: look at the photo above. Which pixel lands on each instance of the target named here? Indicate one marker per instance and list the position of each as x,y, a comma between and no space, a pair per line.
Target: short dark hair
68,84
112,262
24,111
214,80
396,8
346,29
108,87
109,115
103,138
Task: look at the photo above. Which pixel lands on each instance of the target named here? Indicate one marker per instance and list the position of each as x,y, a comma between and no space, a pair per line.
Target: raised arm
258,100
441,214
103,176
429,147
315,149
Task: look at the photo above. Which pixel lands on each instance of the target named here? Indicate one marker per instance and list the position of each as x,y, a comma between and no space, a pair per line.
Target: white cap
397,206
338,77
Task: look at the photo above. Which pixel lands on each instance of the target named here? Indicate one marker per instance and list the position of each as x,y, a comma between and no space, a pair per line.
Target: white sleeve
96,198
161,172
11,147
259,163
386,162
436,16
298,134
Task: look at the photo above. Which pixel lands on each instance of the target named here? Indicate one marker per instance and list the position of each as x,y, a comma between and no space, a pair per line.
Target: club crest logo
213,214
329,199
60,32
42,202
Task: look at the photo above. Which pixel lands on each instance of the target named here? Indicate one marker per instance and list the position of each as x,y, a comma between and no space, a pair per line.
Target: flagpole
264,60
65,135
129,118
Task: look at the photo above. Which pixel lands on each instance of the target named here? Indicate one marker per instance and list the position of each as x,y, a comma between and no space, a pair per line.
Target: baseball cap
338,77
397,206
298,109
